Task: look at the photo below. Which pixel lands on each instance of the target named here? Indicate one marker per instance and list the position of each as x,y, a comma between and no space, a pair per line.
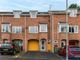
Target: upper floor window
33,29
72,12
73,29
17,13
63,27
17,29
33,14
43,28
5,27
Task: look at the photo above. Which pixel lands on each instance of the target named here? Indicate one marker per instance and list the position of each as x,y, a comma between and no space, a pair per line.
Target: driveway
41,56
32,56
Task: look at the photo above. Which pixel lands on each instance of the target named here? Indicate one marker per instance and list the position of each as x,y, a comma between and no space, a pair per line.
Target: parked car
0,43
73,51
9,48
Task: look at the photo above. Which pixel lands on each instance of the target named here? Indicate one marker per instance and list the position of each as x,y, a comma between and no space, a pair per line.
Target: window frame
16,29
35,28
40,28
75,27
4,27
63,25
33,14
17,13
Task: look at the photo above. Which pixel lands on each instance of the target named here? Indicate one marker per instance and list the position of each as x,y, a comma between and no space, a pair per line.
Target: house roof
39,13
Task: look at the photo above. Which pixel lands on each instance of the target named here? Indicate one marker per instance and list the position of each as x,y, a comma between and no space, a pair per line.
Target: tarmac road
32,56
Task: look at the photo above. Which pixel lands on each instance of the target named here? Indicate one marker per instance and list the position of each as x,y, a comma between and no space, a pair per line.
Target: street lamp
73,13
67,30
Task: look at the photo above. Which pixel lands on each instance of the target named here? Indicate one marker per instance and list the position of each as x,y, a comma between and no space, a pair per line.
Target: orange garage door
33,45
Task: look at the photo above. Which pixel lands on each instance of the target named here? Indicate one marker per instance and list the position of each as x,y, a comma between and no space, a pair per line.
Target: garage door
33,45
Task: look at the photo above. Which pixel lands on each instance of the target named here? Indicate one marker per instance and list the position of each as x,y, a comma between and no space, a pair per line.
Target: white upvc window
5,27
63,27
43,28
72,12
17,29
17,13
73,29
33,29
33,14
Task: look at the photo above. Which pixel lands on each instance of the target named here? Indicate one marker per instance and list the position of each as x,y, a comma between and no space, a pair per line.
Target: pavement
32,56
41,56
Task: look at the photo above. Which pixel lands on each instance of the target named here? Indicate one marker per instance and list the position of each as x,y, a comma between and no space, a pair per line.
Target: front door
42,45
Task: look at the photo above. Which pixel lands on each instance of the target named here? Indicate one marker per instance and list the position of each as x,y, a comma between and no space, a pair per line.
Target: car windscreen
6,45
75,49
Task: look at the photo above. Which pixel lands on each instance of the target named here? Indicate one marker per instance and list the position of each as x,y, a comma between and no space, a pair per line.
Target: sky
40,5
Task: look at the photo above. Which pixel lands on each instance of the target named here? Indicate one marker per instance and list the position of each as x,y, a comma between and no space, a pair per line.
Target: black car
9,48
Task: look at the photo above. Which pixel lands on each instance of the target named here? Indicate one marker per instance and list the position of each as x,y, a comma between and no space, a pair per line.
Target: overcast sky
40,5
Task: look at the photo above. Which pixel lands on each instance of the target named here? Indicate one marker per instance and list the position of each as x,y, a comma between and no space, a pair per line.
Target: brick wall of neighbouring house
79,28
71,21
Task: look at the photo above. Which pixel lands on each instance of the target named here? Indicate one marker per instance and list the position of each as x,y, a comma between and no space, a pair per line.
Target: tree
79,8
74,6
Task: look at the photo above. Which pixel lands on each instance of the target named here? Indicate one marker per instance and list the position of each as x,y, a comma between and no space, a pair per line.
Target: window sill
43,32
16,33
68,33
33,33
6,32
62,32
72,33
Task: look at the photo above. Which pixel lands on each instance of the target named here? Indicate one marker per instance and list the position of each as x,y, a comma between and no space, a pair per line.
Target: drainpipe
52,31
25,41
1,27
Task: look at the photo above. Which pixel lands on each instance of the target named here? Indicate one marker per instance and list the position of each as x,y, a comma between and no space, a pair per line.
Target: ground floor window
5,40
74,42
19,42
71,43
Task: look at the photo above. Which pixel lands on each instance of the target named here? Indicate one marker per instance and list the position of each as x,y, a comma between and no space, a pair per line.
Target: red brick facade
51,19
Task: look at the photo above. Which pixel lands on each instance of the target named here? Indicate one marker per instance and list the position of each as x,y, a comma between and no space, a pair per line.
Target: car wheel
2,53
14,52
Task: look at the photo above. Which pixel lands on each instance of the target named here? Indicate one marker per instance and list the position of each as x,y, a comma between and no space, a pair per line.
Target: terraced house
39,31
